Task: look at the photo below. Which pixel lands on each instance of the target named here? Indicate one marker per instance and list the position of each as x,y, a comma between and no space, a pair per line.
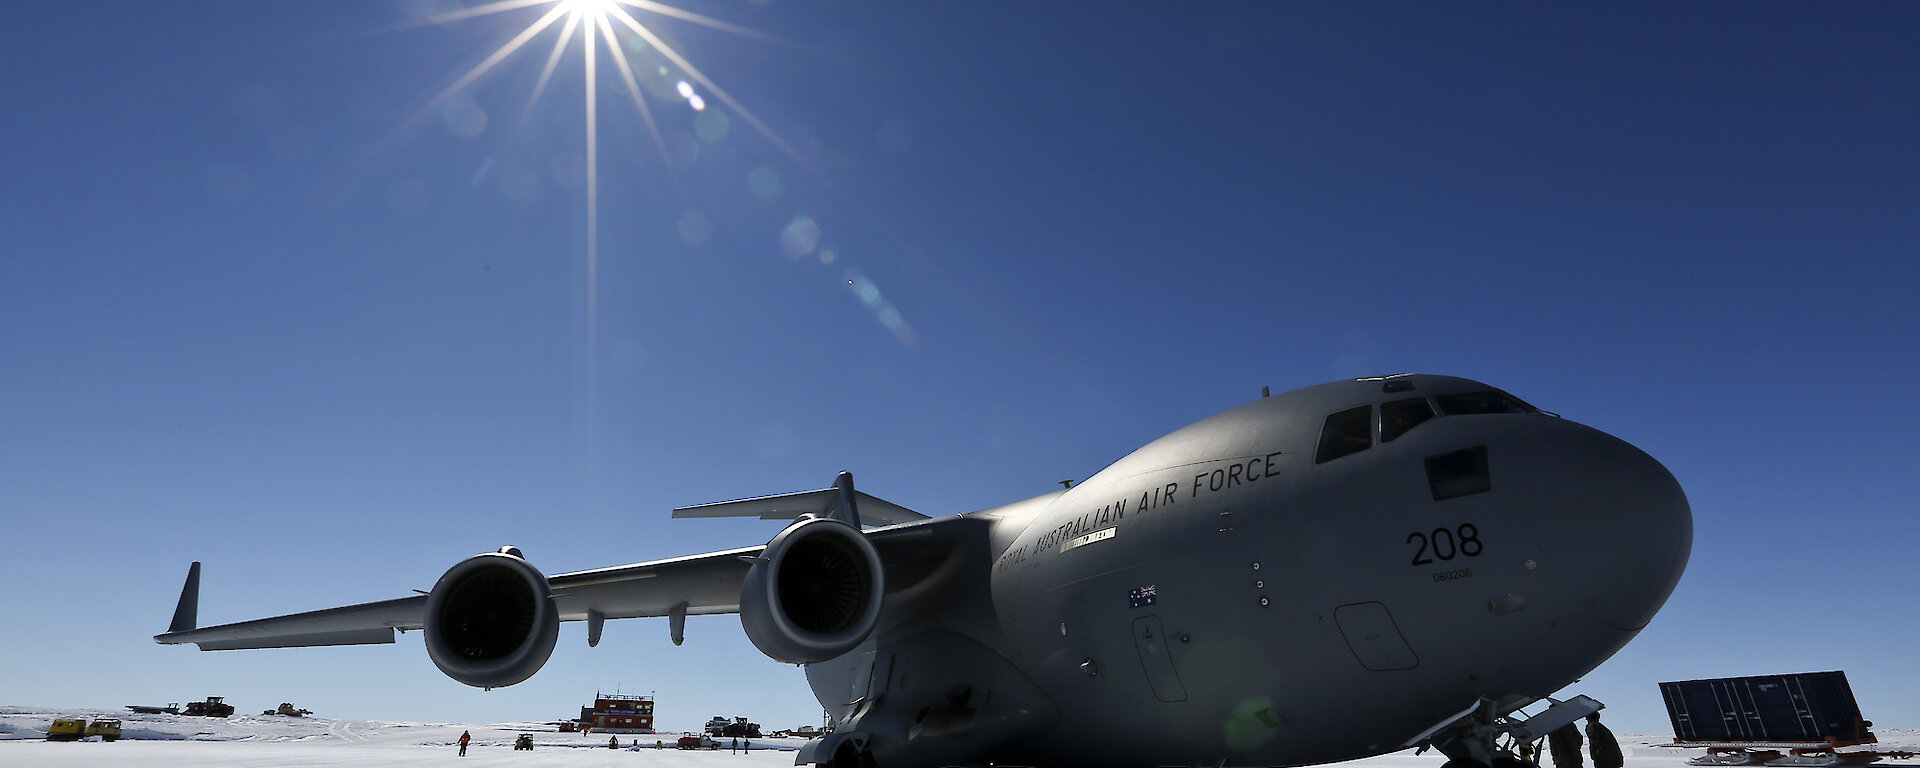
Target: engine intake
491,621
814,594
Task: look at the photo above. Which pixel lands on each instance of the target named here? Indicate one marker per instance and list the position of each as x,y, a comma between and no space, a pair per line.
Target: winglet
186,616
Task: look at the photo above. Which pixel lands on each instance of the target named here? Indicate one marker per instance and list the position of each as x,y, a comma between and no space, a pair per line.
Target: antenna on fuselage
1266,392
1067,484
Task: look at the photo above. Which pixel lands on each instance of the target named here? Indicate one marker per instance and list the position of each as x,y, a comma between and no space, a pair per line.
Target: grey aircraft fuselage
1320,575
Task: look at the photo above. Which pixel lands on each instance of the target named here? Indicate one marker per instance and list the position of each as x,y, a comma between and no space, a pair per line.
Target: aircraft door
1156,656
1374,638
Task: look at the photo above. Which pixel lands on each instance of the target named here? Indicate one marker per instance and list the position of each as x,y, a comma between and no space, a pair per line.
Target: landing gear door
1156,656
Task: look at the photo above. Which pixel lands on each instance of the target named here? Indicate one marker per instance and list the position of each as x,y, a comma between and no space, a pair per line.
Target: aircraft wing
676,587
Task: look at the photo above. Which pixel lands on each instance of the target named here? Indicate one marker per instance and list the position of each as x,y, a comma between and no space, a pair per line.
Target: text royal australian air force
1102,523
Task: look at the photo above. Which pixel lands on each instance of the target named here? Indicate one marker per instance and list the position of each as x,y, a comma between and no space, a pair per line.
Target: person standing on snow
1601,744
464,738
1564,744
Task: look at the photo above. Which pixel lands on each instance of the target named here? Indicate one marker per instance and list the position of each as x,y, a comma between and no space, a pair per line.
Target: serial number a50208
1444,544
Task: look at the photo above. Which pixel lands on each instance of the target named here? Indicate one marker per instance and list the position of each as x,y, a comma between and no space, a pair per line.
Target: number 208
1443,544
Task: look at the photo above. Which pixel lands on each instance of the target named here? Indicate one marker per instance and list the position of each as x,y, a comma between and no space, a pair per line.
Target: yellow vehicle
67,729
107,729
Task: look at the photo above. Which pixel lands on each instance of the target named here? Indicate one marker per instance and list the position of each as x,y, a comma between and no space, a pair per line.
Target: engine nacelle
491,621
814,594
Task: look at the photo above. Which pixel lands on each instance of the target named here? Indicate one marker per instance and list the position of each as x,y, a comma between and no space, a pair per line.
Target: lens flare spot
682,150
685,90
427,10
521,186
480,173
695,228
698,104
408,196
828,255
567,170
463,118
763,182
1247,726
712,126
868,294
800,237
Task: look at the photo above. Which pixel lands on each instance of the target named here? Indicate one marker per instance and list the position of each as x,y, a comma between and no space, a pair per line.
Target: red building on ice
613,713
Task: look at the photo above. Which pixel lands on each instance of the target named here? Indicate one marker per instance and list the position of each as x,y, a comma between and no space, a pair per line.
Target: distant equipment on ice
736,728
1751,720
77,728
614,713
214,706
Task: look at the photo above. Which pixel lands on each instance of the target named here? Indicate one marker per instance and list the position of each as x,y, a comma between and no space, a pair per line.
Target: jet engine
814,593
490,620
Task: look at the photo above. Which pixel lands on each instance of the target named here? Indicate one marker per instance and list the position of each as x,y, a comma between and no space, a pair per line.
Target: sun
599,25
590,8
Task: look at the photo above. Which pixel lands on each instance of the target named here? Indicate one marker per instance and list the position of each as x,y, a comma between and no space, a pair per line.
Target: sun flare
609,26
589,8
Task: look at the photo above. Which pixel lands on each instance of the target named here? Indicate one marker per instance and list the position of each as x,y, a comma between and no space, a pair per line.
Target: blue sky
267,304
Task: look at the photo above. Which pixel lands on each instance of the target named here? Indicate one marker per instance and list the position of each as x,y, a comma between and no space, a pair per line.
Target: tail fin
186,616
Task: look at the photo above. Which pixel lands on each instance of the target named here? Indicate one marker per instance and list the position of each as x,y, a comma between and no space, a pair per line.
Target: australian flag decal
1141,597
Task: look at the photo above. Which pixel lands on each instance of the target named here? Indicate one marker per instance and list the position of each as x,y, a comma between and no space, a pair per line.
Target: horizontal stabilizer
789,506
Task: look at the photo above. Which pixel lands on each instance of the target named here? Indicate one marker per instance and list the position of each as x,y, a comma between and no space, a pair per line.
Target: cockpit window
1489,401
1347,432
1401,415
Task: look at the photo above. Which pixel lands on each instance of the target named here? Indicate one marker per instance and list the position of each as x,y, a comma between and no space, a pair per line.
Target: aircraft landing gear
1477,738
1501,759
851,754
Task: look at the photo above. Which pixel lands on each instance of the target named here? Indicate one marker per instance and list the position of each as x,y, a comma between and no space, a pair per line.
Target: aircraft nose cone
1611,523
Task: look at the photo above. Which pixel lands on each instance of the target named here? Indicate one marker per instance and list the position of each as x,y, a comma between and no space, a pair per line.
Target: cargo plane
1331,573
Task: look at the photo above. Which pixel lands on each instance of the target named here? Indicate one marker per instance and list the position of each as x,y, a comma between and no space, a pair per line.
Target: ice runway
178,741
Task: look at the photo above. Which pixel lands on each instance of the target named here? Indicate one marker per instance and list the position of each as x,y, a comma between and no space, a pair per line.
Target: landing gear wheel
851,756
1499,761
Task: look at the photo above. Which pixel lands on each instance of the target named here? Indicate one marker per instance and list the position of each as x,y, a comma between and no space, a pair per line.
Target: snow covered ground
178,741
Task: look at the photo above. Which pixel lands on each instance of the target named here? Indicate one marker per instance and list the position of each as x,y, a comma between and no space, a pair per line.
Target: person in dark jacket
1601,744
464,738
1564,745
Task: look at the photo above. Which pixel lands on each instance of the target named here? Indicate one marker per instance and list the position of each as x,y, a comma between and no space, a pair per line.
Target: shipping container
1798,709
